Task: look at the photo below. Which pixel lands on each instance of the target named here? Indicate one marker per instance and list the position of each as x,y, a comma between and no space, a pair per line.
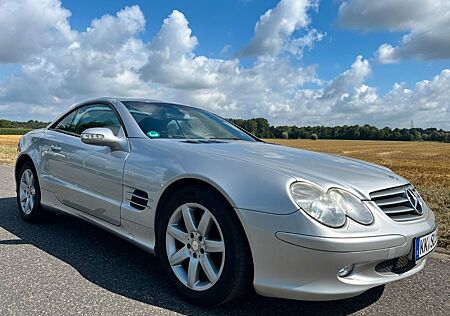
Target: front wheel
29,194
203,248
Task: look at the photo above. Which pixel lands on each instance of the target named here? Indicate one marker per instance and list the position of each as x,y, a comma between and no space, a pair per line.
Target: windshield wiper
226,138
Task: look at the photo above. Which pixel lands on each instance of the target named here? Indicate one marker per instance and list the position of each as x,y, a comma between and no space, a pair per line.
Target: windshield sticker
153,134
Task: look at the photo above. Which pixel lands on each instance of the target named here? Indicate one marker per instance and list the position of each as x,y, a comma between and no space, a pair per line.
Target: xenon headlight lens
352,206
330,208
318,204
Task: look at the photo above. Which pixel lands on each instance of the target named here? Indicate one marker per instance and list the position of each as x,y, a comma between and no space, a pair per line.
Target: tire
29,194
222,275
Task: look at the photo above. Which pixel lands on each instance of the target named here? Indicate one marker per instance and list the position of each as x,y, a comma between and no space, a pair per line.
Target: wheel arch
19,163
182,183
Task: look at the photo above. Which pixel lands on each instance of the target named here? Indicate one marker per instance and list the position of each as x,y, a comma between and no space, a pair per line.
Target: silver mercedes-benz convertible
224,210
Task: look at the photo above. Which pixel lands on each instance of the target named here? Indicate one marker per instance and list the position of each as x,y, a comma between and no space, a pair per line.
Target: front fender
28,148
153,166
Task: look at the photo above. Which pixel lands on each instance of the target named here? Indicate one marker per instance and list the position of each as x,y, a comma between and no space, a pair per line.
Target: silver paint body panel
293,255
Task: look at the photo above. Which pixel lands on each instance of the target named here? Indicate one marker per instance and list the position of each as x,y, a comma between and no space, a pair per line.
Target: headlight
330,208
352,206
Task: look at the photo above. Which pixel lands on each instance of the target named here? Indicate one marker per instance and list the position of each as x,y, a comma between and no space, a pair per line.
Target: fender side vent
139,199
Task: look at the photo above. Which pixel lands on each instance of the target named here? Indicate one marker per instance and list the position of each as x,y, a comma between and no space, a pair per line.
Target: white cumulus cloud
425,22
172,61
63,66
28,26
85,65
275,29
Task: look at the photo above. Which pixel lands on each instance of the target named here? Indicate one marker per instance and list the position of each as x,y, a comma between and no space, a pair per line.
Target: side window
96,115
66,123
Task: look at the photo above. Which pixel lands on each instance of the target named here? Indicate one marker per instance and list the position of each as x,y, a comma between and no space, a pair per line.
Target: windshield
163,120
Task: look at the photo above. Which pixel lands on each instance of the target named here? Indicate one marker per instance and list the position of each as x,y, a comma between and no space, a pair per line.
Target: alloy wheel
27,191
195,246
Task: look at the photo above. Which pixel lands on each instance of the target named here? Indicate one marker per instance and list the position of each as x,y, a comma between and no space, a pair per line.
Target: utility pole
412,124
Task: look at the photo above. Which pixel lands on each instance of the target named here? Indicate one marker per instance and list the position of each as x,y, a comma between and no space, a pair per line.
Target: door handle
55,148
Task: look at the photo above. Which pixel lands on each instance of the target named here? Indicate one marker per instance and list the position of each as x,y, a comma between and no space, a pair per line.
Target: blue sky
298,62
231,22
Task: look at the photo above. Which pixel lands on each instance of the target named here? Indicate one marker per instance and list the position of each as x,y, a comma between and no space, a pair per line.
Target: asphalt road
66,266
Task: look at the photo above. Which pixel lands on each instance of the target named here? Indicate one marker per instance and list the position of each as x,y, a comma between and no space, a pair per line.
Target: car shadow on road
122,268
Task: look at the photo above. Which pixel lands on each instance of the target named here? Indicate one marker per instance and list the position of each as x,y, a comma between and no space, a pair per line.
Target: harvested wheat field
8,148
425,164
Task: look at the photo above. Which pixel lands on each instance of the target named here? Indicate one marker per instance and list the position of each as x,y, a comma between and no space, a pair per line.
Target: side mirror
101,136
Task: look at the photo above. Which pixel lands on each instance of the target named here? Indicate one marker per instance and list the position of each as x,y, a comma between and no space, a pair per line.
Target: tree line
260,127
31,124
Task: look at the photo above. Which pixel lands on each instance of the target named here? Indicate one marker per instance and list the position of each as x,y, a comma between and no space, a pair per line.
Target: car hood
324,170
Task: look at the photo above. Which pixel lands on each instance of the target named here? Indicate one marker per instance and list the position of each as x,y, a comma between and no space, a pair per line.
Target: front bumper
289,263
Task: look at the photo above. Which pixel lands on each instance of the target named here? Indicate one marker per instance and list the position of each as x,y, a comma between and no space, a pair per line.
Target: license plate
425,244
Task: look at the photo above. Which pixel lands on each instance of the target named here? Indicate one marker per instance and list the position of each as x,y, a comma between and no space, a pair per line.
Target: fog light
345,270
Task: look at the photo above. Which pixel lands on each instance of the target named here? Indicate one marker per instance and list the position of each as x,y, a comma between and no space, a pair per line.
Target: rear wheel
29,194
203,248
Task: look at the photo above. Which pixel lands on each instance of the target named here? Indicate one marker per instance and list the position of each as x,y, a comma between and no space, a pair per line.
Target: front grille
396,265
396,204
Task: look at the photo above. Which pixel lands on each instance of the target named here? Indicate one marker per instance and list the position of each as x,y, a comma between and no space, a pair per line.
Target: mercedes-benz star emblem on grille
415,201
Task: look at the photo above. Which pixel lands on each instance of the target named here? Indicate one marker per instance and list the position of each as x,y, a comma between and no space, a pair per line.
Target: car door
87,177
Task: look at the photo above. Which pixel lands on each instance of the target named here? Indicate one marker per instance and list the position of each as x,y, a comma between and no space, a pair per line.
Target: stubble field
8,148
425,164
